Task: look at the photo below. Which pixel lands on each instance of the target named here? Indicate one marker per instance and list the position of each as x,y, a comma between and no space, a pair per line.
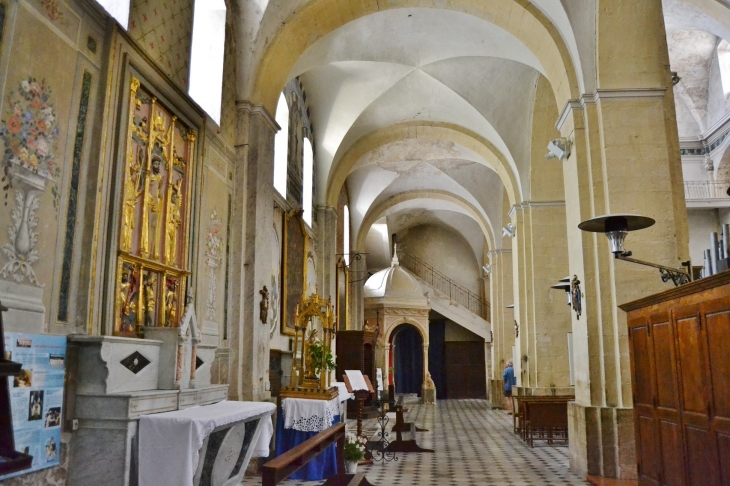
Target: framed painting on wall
294,268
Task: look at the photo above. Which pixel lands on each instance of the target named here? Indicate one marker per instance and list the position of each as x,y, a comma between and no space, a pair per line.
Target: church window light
119,9
723,57
281,145
308,180
346,239
206,59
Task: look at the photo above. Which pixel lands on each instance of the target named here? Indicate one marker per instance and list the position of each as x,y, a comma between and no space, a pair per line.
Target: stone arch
318,18
429,131
405,320
374,213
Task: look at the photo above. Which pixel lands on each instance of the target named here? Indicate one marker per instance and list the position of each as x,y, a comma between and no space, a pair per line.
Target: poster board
36,396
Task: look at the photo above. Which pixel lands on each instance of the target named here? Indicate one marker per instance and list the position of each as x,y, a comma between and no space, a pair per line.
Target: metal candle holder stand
378,448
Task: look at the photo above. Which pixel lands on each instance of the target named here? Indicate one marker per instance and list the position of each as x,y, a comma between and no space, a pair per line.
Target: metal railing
706,189
445,285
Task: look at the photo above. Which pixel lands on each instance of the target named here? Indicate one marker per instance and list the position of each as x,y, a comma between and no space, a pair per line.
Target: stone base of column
496,394
602,441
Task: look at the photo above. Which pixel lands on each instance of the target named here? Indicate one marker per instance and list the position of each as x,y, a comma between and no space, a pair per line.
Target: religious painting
155,211
295,251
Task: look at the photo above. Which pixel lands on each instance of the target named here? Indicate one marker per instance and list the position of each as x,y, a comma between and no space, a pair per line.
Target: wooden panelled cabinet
356,351
679,342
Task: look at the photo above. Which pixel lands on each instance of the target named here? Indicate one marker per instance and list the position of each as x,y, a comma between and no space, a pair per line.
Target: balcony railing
445,285
706,189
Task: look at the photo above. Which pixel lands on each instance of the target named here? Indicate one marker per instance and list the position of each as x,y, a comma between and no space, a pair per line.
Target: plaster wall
717,101
701,222
693,169
445,250
456,333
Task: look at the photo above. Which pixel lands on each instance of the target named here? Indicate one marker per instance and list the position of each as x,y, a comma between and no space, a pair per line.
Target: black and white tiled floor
474,446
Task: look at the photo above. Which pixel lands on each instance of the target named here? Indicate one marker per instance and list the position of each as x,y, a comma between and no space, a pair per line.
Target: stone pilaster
503,334
358,276
327,251
625,160
251,220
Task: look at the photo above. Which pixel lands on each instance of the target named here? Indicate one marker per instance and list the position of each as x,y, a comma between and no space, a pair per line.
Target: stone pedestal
602,441
428,395
26,312
117,380
496,395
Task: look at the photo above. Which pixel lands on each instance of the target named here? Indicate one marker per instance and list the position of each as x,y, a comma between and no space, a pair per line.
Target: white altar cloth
169,442
307,415
342,388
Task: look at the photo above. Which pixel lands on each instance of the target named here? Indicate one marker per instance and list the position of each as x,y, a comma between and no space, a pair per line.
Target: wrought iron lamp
617,226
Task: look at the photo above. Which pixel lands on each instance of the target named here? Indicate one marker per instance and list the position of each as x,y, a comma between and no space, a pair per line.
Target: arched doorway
408,359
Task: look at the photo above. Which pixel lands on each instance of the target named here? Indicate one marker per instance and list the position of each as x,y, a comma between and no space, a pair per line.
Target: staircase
450,299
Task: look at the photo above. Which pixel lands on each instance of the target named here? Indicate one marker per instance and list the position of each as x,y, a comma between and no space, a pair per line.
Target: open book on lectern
355,381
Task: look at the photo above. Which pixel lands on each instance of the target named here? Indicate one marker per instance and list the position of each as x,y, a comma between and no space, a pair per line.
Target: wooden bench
546,420
280,468
518,411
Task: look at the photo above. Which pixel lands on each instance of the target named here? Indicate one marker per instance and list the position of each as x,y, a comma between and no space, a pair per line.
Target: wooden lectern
361,394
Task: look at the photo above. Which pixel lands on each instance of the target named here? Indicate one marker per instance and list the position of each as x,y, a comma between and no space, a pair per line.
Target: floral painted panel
29,132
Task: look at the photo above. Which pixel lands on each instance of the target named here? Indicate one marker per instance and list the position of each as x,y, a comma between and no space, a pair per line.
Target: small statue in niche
371,328
154,203
173,221
149,300
308,365
170,304
264,305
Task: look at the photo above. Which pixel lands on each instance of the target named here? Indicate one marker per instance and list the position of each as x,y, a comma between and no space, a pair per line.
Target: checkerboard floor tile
474,446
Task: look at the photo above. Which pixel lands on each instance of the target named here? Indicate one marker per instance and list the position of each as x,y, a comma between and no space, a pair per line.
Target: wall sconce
617,226
509,231
559,149
564,284
487,270
511,306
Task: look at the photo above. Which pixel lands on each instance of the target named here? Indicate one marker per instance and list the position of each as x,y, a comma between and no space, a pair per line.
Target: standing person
508,377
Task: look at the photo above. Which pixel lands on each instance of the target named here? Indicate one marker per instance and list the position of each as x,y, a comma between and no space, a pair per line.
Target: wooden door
642,369
717,333
667,411
699,444
465,369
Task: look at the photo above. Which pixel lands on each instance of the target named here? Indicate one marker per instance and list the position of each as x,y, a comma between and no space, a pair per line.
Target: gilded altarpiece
156,188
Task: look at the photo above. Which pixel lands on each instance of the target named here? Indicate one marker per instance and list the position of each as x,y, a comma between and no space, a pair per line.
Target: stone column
251,219
546,336
503,336
522,294
327,252
625,160
358,276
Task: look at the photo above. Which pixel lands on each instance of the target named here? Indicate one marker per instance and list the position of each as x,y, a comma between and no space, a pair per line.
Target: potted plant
354,452
320,354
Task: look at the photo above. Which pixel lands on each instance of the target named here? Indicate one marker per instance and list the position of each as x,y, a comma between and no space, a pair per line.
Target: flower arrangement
30,129
317,350
354,447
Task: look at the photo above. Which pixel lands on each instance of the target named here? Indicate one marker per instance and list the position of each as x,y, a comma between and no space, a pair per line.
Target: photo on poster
51,450
23,342
53,417
35,405
24,379
56,360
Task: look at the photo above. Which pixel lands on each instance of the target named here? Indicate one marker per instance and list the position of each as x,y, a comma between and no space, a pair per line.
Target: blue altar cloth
321,467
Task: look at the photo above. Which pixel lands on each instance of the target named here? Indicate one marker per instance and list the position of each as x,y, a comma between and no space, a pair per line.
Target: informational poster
36,396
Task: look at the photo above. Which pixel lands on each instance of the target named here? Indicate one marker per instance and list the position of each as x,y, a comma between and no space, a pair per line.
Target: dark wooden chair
546,420
280,468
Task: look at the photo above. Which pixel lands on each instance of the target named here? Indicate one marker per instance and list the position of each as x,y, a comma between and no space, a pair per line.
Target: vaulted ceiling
425,114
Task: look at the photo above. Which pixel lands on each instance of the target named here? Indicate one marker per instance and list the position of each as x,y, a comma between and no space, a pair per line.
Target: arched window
206,58
281,146
119,9
308,181
723,57
346,240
